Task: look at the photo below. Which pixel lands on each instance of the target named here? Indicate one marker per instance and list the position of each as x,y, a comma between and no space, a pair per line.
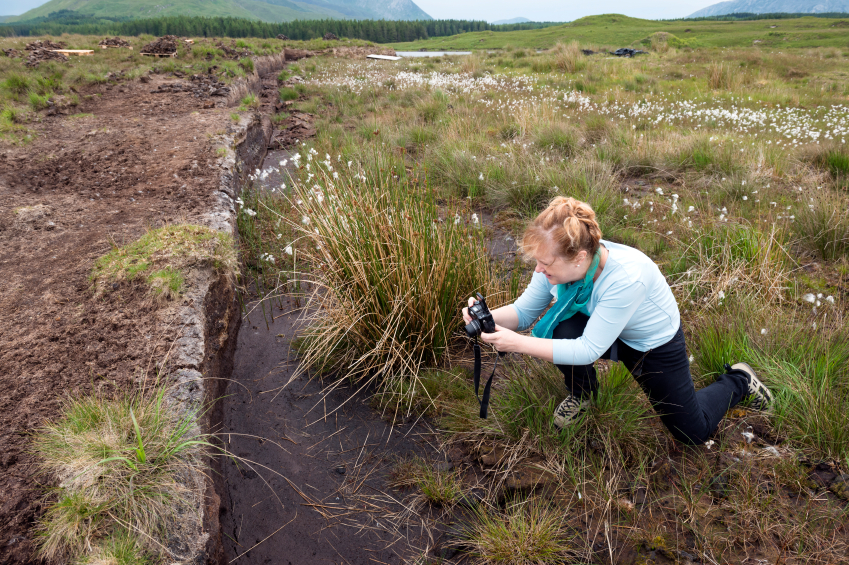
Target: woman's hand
466,317
504,340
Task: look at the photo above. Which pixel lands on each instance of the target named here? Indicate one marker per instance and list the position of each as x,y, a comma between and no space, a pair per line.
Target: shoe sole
564,421
762,396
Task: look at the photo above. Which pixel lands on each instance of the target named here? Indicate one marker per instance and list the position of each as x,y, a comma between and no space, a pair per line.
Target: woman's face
558,269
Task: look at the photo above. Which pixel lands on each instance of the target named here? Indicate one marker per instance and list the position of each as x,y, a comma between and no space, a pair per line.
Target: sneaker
759,396
568,411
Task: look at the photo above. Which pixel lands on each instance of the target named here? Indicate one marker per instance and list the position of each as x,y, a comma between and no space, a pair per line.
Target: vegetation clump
124,469
162,257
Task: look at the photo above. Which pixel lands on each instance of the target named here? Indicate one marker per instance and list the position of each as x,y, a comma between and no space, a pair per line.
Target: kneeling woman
612,302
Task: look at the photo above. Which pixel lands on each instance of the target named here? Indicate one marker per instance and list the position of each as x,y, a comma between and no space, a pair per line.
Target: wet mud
307,483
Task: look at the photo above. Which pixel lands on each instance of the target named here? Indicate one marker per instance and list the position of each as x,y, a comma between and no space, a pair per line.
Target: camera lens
473,328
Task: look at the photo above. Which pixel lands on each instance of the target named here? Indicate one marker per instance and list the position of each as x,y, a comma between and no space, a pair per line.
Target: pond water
430,53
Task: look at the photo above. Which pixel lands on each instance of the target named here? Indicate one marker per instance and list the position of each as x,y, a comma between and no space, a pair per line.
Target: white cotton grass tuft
288,250
763,331
809,298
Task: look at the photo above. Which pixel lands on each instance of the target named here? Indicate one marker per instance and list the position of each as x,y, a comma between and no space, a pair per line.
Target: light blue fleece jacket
631,300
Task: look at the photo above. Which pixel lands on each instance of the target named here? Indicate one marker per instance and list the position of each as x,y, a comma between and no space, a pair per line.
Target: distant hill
265,10
4,18
773,7
610,31
511,21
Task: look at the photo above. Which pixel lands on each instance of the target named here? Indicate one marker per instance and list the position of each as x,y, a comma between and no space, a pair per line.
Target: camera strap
483,401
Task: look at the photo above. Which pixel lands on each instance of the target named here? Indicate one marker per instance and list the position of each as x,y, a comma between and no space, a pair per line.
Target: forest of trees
379,31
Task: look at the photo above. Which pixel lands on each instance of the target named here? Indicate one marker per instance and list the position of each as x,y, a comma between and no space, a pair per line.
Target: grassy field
611,31
25,92
731,174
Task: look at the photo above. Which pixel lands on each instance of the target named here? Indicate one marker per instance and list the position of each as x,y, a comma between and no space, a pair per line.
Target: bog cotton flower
809,298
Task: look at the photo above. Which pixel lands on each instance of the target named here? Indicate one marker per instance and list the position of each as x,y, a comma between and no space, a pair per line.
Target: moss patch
162,256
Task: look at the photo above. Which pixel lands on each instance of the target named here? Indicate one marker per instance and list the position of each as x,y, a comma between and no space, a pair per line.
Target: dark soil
161,46
84,185
39,55
333,451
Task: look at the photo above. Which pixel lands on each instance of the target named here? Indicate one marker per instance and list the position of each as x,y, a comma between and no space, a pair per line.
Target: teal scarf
570,299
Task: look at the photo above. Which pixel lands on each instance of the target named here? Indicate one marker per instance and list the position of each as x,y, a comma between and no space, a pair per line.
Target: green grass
118,462
288,94
805,367
439,488
743,222
616,30
170,251
524,532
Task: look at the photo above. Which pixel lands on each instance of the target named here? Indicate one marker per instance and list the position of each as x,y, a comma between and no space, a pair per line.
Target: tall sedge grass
392,269
721,76
616,419
730,259
567,57
823,223
121,464
806,367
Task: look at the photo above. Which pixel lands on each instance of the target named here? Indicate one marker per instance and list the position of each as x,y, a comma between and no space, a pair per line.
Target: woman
612,302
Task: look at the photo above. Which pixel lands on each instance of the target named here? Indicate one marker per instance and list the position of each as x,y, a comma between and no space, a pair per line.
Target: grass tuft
525,533
393,265
119,463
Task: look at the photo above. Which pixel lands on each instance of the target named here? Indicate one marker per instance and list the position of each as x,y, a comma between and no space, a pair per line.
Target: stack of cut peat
164,47
46,44
40,51
114,42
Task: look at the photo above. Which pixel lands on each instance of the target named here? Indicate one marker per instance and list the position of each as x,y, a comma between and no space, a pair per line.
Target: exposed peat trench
308,480
331,454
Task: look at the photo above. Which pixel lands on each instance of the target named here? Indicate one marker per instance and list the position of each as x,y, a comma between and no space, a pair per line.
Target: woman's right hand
466,317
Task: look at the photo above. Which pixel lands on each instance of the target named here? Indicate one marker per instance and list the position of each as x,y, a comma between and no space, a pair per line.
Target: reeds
392,268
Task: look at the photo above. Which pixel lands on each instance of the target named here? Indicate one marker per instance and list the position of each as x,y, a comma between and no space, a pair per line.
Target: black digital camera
482,321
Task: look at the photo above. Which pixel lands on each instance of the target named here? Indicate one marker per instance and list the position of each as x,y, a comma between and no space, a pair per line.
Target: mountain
773,7
511,21
265,10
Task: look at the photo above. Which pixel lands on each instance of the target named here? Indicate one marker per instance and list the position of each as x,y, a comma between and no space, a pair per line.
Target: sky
558,10
491,10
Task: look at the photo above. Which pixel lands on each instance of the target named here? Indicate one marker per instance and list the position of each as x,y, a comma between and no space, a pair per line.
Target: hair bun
568,225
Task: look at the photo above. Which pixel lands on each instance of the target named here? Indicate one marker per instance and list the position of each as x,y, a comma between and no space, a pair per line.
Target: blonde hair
567,227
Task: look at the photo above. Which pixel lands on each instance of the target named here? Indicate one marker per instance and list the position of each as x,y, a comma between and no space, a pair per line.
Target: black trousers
664,375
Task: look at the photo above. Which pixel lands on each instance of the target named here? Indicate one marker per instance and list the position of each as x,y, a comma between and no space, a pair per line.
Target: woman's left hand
503,340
